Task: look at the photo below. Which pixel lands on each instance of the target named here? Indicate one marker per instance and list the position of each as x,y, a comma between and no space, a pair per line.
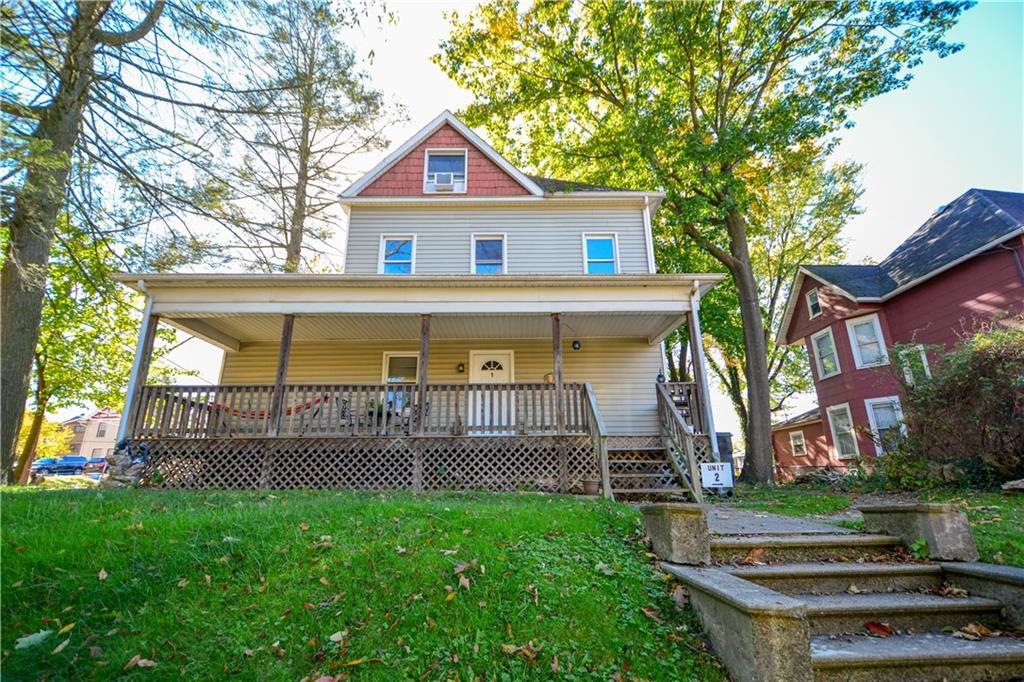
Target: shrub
968,417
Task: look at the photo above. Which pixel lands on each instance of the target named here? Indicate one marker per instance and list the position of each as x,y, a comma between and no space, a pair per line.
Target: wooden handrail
680,437
599,437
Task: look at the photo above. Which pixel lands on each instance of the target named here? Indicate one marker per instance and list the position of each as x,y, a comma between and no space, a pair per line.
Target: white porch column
140,367
700,364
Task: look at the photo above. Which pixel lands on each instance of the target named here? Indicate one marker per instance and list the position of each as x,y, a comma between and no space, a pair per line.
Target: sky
960,124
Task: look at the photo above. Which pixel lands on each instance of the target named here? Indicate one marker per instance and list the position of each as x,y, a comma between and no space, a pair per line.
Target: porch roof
230,309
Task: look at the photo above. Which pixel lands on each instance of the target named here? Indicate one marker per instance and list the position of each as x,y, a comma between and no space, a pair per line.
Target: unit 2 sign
716,475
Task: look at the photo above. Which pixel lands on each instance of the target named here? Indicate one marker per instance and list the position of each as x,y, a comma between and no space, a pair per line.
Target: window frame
386,358
101,430
817,299
869,403
446,151
817,357
503,236
908,373
614,236
803,443
855,349
853,429
381,249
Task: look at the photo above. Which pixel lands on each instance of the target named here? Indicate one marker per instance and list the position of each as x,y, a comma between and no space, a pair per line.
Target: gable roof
808,417
445,118
972,223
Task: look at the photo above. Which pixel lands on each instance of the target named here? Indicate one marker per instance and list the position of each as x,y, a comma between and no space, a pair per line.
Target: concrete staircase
795,607
643,473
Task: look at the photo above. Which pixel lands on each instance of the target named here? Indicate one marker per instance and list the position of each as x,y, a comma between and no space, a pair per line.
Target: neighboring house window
97,452
79,428
445,171
867,342
813,304
886,419
843,434
824,345
914,362
600,252
488,254
397,255
101,430
796,443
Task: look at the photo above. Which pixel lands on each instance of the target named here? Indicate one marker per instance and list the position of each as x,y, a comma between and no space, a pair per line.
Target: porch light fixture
461,368
576,344
661,377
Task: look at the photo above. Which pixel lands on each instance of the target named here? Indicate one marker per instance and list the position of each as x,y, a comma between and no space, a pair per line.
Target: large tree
706,98
316,110
94,88
87,336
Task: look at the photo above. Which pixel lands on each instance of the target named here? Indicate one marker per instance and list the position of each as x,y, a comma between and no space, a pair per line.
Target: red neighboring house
964,265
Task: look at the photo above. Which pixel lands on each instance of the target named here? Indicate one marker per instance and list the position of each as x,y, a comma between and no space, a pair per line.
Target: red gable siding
834,306
405,177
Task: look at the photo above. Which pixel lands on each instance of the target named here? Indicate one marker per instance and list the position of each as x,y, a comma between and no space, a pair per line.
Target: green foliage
790,500
919,549
970,413
254,585
54,439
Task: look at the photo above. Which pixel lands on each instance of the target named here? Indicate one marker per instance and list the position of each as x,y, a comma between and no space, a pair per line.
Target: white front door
492,406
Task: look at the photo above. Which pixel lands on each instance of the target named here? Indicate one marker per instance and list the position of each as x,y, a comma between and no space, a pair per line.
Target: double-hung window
445,171
886,420
600,254
813,304
866,342
101,430
825,355
400,369
397,255
843,434
797,444
488,254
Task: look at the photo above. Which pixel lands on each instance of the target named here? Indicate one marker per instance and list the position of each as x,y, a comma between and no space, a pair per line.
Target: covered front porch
383,382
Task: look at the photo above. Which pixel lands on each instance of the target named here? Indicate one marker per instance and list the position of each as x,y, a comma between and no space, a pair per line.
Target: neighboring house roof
553,186
808,417
974,222
104,413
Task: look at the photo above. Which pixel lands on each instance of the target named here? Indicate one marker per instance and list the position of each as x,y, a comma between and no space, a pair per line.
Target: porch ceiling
226,330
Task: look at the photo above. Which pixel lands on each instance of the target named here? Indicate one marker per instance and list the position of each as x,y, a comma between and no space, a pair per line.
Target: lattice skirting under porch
496,463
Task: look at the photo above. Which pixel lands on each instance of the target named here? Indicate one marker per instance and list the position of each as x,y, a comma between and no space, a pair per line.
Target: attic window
445,171
813,305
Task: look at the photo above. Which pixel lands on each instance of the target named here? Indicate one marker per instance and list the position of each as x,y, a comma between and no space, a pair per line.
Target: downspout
1016,260
137,364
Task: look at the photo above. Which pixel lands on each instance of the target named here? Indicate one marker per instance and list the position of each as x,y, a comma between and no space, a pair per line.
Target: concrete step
667,492
916,658
831,578
846,613
733,549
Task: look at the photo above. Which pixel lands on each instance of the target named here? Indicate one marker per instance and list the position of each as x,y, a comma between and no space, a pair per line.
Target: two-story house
491,329
962,266
93,434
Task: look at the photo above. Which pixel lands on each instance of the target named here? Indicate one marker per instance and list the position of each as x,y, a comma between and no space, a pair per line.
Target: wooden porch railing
686,399
333,410
599,437
681,454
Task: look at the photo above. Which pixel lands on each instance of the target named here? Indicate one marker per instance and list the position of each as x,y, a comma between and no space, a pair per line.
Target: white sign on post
716,475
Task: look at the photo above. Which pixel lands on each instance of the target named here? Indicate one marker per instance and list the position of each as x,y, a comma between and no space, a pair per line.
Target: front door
492,400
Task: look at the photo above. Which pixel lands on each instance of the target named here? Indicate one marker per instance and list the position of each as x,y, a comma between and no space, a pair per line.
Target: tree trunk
297,224
37,204
757,466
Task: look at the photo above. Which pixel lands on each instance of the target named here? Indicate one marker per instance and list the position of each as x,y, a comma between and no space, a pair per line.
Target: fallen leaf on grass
361,661
95,651
338,636
66,628
463,582
183,582
527,651
680,596
247,652
102,575
876,629
32,640
652,614
60,647
139,661
304,526
605,569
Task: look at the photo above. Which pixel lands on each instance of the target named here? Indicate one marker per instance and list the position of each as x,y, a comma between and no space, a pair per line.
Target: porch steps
643,473
827,578
795,547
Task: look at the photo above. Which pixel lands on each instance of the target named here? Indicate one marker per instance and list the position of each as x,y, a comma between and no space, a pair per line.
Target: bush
967,421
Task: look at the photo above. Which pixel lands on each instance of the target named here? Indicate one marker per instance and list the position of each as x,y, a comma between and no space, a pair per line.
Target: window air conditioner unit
444,182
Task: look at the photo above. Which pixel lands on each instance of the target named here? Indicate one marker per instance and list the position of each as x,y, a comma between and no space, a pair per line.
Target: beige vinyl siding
622,371
540,239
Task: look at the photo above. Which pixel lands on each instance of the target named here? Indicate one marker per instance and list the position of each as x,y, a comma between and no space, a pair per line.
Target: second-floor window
796,442
867,342
445,171
825,356
101,430
813,304
488,255
600,254
397,255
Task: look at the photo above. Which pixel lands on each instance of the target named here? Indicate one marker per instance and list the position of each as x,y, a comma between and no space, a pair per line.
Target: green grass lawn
293,585
996,519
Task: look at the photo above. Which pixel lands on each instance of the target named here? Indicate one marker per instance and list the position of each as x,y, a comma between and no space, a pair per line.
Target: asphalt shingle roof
976,218
809,415
553,186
